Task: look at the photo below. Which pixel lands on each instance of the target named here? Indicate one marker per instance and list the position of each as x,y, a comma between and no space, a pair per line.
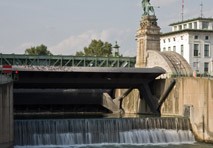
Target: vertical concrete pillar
1,115
11,125
6,115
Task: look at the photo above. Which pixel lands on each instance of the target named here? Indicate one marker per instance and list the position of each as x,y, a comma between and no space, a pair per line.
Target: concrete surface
190,97
193,97
6,115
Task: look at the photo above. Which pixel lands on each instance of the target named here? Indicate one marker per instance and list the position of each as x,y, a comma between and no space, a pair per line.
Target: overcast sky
66,26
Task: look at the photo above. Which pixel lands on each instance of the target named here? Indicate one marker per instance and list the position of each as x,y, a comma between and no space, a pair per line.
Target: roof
190,20
186,30
116,45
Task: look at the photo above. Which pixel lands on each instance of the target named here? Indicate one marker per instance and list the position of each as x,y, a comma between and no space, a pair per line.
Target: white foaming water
80,132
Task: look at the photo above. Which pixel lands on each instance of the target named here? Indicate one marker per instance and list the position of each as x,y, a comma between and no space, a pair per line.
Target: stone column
148,38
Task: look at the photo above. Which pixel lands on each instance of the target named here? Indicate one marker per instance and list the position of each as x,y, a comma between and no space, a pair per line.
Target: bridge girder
70,61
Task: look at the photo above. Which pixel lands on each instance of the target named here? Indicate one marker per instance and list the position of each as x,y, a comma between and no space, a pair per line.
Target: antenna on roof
201,9
182,9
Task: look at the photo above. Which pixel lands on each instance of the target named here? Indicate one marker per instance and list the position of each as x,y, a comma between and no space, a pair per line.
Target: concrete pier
190,97
6,114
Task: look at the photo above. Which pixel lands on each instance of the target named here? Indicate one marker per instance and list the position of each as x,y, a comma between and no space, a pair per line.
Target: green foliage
80,53
38,50
97,48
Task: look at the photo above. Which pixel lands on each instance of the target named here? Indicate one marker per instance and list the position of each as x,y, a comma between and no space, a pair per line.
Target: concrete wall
132,104
6,115
190,97
193,97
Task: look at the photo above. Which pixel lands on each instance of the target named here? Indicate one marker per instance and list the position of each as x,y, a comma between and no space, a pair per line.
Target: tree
38,50
79,53
97,48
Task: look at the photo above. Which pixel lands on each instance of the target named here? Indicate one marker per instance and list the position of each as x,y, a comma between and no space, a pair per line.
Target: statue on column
147,7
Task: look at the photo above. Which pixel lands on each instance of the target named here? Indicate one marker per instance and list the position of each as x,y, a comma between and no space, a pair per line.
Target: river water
152,132
194,145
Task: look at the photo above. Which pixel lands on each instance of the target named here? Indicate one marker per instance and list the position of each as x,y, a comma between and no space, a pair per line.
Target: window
195,64
169,40
185,26
164,41
180,27
182,50
164,49
196,49
206,37
196,37
206,67
175,28
205,25
206,50
174,48
181,37
174,39
195,25
169,48
190,25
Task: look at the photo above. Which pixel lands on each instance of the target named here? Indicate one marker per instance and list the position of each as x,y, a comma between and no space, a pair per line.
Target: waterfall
95,131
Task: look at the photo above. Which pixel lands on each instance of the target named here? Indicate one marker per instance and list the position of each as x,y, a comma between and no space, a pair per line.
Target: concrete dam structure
193,98
190,97
96,131
182,106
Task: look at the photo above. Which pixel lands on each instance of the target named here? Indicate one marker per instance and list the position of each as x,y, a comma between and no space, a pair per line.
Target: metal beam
72,61
145,93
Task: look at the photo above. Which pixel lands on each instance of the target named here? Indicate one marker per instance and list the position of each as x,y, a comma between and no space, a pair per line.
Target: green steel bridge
70,61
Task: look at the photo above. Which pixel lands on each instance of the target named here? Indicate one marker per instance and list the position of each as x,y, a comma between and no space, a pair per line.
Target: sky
67,26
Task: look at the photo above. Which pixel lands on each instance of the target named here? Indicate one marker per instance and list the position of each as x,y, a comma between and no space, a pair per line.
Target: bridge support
166,93
110,104
115,105
6,113
151,100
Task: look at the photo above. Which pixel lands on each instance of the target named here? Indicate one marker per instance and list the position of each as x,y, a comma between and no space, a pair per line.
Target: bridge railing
72,61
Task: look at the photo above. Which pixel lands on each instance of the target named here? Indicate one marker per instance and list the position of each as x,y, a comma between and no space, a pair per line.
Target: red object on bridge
7,69
182,3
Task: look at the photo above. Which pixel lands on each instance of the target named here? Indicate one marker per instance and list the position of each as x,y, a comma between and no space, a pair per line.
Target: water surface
192,145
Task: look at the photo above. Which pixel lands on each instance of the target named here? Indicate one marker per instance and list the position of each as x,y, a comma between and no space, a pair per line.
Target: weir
58,74
96,131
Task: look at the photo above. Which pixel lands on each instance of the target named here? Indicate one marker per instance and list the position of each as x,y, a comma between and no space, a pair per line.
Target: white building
193,39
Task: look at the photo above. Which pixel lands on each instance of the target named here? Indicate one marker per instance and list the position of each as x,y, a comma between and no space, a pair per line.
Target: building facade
193,39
